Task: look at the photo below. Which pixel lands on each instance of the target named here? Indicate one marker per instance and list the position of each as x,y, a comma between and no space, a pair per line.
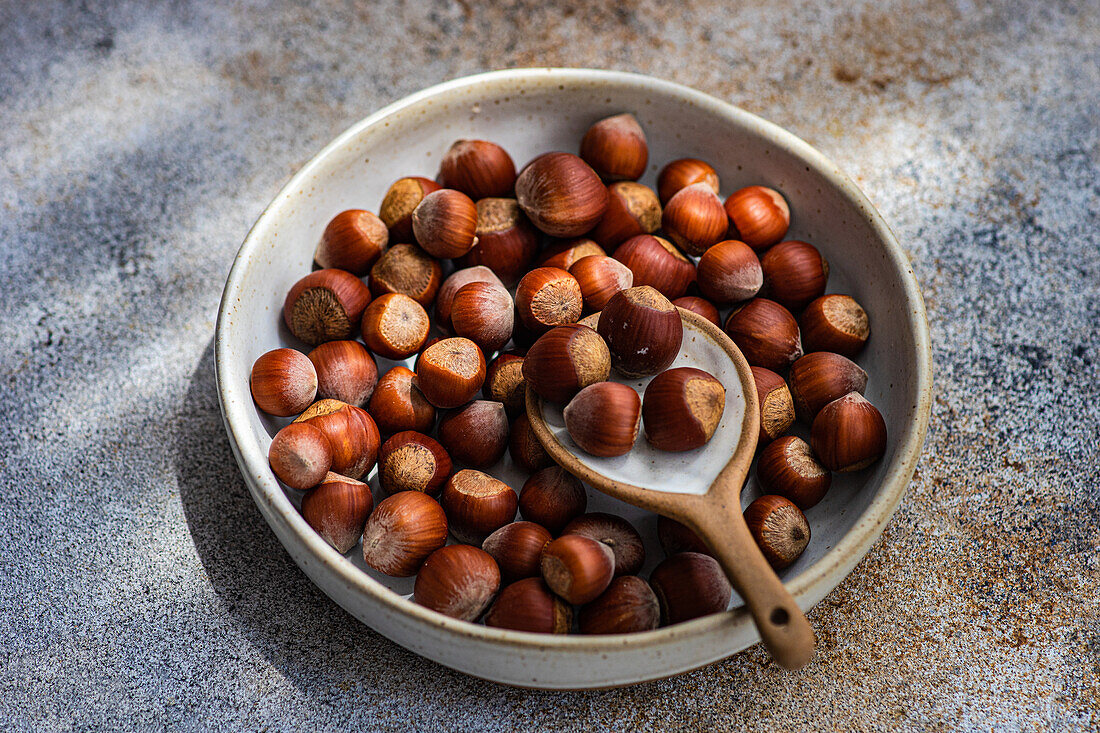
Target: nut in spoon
700,488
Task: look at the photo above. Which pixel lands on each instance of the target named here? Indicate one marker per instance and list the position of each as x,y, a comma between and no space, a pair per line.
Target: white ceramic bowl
530,111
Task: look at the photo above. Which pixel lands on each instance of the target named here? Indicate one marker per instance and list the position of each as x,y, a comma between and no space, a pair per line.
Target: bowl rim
808,588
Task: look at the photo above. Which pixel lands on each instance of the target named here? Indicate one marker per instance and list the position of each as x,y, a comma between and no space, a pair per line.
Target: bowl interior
535,111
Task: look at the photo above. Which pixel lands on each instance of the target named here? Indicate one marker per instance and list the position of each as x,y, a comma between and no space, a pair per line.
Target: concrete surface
139,585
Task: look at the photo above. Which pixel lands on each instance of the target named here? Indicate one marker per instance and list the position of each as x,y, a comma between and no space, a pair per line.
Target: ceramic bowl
530,111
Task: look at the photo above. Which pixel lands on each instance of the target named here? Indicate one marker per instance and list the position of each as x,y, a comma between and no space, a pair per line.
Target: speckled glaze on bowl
530,111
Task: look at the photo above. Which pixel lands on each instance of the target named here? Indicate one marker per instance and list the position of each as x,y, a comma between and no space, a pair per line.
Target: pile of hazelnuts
528,258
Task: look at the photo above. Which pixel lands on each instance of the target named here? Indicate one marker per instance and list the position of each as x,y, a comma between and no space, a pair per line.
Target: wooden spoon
685,487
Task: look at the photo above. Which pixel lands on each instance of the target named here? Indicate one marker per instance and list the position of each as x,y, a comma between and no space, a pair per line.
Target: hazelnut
345,371
776,404
819,378
352,241
552,497
475,434
350,430
689,585
794,274
477,505
409,270
402,531
592,320
548,297
300,455
483,313
325,305
337,509
458,581
848,434
526,450
616,148
401,200
615,532
528,605
283,382
758,215
679,174
632,209
477,168
655,262
600,277
444,223
766,333
788,468
412,461
643,331
450,372
563,253
602,419
626,607
398,404
577,568
504,383
835,323
675,537
700,306
779,528
517,548
506,241
561,195
395,326
444,300
682,408
694,219
729,272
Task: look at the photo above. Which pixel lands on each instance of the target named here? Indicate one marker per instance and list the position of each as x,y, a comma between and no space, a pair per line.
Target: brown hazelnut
506,241
615,532
766,333
602,419
450,372
835,323
526,450
552,497
776,404
325,305
794,274
548,297
337,509
779,528
848,434
577,568
401,200
616,148
600,277
565,360
592,320
626,607
632,209
700,306
409,270
444,300
395,326
682,408
398,404
412,461
818,378
459,581
562,254
729,272
689,585
643,331
444,223
352,241
788,468
475,434
483,312
675,537
504,383
655,262
283,382
402,531
561,195
517,548
345,371
694,219
679,174
477,505
300,455
528,605
477,168
352,433
758,215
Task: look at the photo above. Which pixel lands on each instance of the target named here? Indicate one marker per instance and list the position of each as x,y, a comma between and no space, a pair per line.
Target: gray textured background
139,585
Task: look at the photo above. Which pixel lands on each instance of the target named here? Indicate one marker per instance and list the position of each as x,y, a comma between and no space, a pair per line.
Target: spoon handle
783,627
